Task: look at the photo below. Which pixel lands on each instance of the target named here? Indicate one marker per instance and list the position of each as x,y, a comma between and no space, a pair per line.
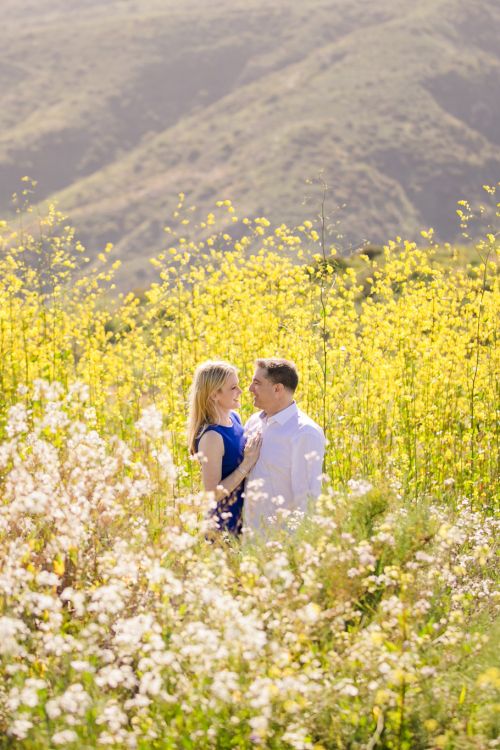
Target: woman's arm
211,446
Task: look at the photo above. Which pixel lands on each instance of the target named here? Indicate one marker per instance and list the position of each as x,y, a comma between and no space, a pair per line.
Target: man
288,471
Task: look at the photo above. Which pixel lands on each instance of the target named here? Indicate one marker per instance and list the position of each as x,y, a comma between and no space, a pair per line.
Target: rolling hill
115,107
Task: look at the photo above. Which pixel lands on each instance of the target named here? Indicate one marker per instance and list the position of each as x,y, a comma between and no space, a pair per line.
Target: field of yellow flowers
370,624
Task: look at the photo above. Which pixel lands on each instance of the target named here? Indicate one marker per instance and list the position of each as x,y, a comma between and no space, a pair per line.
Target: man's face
264,391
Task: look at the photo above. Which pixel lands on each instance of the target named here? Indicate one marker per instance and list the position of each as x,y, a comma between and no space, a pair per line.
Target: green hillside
116,107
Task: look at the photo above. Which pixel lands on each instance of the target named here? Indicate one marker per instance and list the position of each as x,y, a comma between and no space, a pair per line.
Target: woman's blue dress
229,511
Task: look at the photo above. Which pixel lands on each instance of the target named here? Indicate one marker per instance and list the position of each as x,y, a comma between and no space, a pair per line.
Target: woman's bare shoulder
210,441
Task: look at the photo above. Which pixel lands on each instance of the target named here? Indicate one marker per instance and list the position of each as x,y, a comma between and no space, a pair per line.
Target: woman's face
228,397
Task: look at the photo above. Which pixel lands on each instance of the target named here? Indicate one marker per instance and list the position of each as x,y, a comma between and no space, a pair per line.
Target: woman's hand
251,454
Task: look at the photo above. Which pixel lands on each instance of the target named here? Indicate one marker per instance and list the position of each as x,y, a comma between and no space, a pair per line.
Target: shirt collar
281,416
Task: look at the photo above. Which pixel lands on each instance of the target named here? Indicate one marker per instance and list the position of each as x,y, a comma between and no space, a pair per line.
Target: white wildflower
359,487
310,613
54,418
259,724
20,728
75,699
78,391
46,578
150,424
65,737
151,684
43,390
81,666
12,631
113,716
297,737
29,693
224,684
17,422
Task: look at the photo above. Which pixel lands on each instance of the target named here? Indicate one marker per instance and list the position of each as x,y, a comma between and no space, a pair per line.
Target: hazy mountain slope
118,107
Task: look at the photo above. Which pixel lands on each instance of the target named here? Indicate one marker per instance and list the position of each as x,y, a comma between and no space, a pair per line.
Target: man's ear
278,388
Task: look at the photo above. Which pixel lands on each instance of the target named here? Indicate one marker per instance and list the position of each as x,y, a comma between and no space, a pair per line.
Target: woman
216,433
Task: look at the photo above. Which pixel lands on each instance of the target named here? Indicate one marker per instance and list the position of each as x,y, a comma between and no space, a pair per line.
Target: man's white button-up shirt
289,469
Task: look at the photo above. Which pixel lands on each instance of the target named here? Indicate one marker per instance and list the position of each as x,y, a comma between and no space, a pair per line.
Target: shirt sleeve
308,451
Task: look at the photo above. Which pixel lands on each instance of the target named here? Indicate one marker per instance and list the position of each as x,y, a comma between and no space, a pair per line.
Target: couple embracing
267,470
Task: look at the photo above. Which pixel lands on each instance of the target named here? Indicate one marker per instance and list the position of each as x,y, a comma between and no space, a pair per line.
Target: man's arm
308,451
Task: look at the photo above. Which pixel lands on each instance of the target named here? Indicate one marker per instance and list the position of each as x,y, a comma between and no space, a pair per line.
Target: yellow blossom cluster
372,622
397,353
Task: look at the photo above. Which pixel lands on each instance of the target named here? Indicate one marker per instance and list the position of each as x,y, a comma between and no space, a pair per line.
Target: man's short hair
280,371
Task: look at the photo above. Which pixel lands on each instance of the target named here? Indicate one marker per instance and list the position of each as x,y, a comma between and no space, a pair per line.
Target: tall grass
399,361
365,627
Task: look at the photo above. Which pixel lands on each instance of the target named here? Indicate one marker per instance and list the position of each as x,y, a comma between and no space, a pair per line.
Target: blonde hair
208,378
